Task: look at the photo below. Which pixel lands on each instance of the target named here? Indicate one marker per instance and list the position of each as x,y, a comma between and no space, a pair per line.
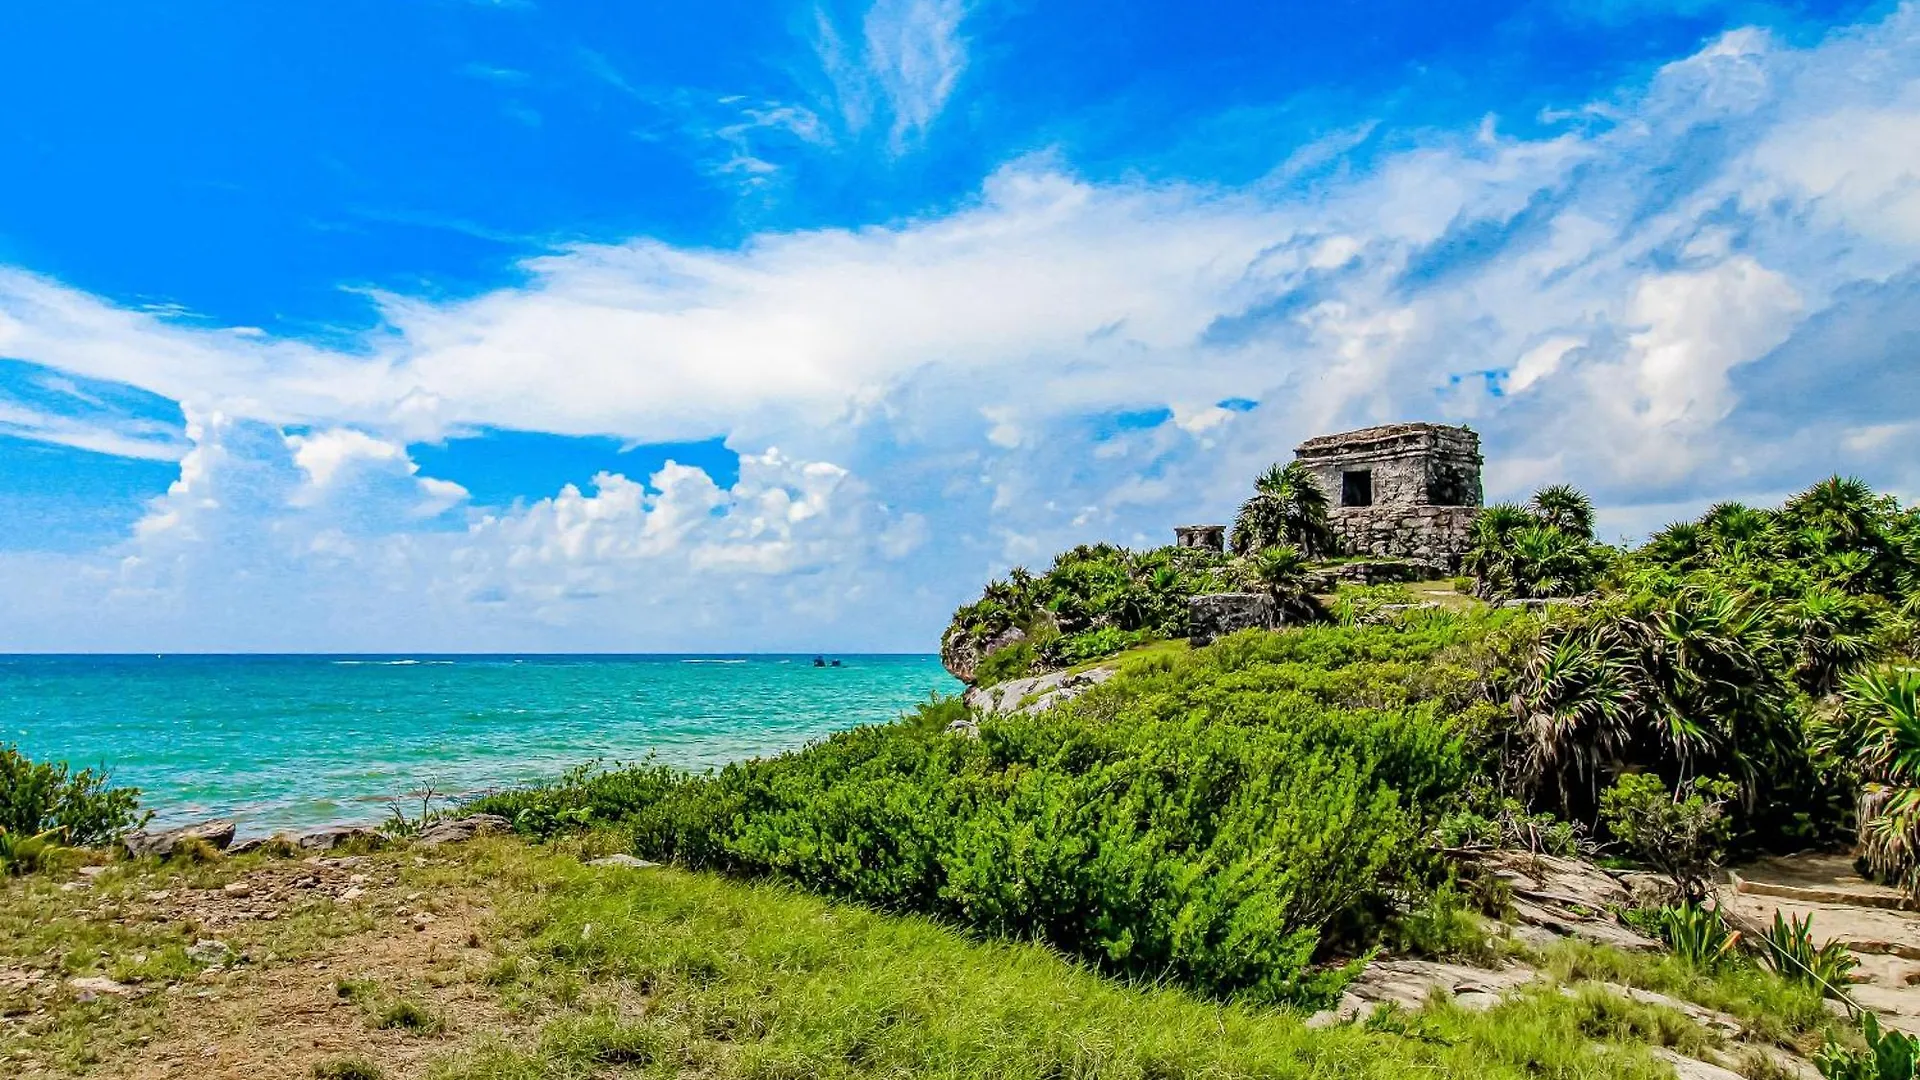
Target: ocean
290,742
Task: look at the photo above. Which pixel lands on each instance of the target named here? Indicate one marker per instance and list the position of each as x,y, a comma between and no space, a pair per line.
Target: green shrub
1443,929
582,797
1070,649
37,797
1487,820
1788,949
1684,838
1208,816
1093,587
1013,661
1889,1055
1698,935
22,855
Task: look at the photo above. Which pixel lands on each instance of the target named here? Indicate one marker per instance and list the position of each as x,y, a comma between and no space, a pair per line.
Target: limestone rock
628,861
333,836
1409,983
961,654
142,845
460,830
1686,1068
99,984
1647,890
211,952
1219,614
1555,896
1033,695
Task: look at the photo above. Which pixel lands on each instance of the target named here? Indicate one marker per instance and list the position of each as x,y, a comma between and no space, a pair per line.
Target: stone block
1220,614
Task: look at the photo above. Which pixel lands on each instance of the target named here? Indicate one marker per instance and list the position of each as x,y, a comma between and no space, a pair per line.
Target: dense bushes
1544,549
1206,816
1714,650
1094,600
40,797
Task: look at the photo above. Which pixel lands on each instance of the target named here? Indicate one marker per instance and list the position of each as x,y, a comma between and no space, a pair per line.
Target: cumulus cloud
1702,286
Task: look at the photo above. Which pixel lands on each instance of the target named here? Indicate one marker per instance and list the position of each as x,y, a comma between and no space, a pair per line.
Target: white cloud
913,57
1610,306
324,454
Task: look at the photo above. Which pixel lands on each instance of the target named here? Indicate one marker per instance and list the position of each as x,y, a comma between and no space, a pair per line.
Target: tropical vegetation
1287,507
49,800
1544,549
1220,817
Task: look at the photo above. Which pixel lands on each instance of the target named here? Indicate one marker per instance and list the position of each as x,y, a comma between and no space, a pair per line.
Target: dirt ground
281,993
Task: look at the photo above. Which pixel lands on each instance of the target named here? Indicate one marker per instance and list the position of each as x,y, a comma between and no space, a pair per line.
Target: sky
529,325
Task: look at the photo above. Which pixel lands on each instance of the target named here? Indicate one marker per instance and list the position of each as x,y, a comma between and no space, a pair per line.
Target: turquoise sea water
293,741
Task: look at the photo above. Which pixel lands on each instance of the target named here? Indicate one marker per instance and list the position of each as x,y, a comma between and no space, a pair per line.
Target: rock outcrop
1556,897
334,836
1219,614
961,654
141,845
460,830
1036,694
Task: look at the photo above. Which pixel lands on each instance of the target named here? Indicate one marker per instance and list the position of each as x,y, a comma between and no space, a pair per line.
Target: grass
1773,1009
348,1068
406,1014
601,973
1172,647
669,973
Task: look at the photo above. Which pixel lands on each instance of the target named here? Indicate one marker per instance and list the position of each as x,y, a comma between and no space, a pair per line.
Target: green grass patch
1773,1009
672,974
347,1068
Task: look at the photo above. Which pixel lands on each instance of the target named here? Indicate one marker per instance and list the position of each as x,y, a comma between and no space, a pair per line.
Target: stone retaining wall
1433,536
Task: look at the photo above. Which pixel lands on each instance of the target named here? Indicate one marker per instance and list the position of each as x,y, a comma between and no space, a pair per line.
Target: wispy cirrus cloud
909,56
739,136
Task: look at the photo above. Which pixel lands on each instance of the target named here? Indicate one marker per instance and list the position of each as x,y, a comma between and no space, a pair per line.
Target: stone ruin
1401,491
1206,537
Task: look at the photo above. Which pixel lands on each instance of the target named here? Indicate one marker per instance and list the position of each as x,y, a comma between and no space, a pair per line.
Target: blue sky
537,325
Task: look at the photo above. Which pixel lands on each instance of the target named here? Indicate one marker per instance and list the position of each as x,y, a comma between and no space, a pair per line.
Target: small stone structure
1403,491
1219,614
1208,537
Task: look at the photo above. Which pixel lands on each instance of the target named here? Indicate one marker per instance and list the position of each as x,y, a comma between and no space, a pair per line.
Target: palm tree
1287,508
1886,706
1566,508
1677,683
1844,506
1577,711
1677,545
1546,561
1735,527
1279,571
1829,632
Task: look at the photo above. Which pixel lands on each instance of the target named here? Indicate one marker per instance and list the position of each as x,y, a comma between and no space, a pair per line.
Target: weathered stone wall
1426,490
1433,536
1206,537
1411,464
1372,572
1219,614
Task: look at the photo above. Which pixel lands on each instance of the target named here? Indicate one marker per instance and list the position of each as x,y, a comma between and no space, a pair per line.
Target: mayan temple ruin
1400,491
